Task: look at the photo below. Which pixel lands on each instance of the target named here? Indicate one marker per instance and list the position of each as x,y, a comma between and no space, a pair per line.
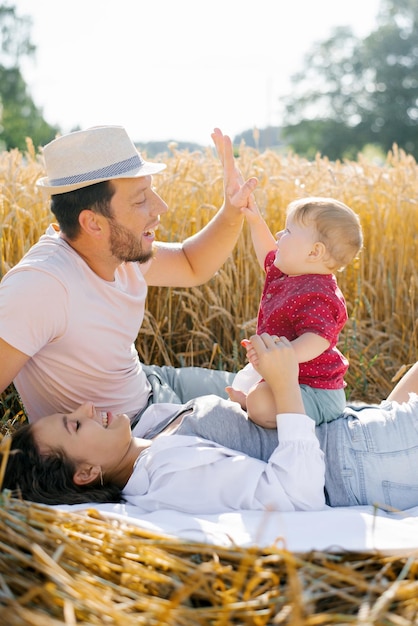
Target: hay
75,568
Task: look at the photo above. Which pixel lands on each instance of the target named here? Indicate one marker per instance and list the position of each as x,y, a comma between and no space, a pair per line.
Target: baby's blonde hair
337,227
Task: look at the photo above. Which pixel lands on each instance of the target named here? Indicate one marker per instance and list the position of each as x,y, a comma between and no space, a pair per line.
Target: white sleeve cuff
293,426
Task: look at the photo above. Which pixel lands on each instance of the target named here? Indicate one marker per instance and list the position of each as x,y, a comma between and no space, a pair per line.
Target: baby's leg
261,407
237,396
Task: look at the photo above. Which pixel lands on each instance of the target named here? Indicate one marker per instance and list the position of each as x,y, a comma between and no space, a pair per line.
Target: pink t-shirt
78,329
293,305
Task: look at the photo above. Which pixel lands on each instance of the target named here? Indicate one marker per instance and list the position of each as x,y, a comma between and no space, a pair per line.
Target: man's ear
86,474
90,222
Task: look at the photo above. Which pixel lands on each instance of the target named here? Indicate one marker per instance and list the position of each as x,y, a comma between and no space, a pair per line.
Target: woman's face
86,435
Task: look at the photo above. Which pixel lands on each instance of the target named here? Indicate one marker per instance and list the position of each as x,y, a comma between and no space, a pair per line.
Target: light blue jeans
371,455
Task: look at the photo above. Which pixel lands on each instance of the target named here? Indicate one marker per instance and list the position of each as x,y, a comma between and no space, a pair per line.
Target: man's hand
237,191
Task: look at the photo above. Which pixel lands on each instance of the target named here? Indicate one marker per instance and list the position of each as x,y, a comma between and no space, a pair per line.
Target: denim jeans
371,455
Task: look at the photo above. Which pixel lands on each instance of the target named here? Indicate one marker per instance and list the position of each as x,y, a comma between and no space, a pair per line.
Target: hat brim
146,169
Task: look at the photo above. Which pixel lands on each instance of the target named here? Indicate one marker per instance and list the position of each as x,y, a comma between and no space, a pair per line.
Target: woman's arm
296,465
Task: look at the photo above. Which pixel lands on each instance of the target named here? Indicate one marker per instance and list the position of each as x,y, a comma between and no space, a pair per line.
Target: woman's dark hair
67,206
48,478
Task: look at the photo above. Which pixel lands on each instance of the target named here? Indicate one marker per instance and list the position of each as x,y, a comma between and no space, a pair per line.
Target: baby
302,302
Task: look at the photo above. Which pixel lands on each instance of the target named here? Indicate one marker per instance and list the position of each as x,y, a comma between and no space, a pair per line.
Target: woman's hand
275,360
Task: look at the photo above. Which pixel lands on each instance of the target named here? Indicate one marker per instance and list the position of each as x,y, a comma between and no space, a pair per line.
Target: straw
83,568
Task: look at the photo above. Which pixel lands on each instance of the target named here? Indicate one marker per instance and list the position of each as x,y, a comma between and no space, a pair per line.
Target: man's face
136,209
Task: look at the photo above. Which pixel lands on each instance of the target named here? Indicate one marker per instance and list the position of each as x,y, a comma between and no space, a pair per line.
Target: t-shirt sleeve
269,260
144,267
296,469
319,313
32,312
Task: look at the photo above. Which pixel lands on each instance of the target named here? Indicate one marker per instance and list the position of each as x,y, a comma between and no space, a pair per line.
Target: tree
355,92
19,116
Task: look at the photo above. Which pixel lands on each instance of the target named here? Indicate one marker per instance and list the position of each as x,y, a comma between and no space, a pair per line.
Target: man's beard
126,247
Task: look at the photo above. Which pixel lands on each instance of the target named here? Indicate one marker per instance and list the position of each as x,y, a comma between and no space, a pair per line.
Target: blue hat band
110,171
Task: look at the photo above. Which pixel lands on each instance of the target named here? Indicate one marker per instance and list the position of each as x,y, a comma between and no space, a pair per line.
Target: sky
175,69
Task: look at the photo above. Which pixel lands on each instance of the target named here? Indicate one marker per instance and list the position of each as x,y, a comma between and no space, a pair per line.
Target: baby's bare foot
237,396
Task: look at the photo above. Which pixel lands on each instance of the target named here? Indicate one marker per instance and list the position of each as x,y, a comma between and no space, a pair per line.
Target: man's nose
158,205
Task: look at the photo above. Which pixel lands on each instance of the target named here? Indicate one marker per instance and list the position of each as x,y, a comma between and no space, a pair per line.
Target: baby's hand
251,212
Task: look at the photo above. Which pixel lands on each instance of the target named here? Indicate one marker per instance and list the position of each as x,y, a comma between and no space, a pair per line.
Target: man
71,309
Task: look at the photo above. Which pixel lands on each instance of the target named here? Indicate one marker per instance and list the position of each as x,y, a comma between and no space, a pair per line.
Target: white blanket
351,529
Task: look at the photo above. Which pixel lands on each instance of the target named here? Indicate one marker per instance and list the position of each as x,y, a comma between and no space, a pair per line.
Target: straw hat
91,156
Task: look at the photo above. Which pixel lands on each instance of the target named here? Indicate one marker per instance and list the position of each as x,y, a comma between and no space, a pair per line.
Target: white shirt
195,475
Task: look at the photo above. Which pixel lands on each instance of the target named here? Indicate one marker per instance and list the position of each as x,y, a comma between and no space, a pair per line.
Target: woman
371,452
86,456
